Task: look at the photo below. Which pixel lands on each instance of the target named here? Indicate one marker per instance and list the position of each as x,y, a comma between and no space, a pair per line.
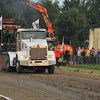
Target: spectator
98,56
98,52
75,56
79,51
83,53
79,55
67,56
57,54
93,56
87,56
88,52
93,52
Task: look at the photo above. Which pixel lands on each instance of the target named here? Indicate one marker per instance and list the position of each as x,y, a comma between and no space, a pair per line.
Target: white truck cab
31,52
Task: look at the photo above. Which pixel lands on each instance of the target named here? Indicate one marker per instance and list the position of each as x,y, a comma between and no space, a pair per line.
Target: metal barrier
88,60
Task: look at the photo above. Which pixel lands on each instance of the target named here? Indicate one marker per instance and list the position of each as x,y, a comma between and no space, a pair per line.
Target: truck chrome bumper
37,62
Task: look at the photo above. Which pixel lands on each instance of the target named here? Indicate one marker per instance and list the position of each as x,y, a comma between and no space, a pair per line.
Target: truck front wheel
51,69
19,68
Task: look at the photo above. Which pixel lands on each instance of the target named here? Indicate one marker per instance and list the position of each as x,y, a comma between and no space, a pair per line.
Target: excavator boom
45,16
38,7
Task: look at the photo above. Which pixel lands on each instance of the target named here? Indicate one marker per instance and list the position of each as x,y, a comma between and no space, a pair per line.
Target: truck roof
30,29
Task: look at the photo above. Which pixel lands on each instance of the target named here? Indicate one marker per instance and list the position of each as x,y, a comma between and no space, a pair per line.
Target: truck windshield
33,34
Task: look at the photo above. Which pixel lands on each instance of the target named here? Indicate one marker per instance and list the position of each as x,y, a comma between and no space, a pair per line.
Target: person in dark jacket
93,56
75,56
83,55
7,36
67,56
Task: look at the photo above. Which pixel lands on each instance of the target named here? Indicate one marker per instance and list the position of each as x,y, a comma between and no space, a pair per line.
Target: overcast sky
60,1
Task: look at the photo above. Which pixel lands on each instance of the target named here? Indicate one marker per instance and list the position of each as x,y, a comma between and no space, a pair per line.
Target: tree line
72,20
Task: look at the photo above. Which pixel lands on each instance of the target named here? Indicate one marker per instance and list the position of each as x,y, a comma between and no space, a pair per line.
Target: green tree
84,14
67,4
71,25
14,9
4,9
94,13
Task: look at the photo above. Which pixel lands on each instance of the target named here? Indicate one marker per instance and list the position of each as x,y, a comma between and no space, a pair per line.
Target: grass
88,66
82,68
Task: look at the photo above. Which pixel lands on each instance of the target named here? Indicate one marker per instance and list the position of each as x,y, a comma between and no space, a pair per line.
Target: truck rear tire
19,68
51,69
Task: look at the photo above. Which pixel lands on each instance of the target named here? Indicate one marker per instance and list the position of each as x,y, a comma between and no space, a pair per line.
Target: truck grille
38,53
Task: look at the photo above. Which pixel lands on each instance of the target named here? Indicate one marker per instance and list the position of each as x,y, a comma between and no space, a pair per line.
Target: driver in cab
8,36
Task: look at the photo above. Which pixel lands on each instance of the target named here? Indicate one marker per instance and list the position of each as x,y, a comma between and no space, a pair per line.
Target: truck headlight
23,57
1,44
51,56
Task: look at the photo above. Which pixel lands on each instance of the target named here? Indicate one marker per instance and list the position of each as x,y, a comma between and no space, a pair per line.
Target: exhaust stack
31,39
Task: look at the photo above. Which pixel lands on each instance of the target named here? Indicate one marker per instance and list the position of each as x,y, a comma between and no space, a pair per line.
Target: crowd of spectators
86,56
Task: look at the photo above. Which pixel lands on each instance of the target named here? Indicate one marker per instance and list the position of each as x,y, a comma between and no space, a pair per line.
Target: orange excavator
45,17
49,26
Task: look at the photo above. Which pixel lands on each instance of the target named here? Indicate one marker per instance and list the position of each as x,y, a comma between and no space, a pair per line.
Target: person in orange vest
57,55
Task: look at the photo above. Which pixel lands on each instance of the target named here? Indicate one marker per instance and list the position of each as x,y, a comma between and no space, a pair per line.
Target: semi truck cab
32,52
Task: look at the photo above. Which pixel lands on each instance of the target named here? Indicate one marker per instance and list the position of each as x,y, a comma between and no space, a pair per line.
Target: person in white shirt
79,57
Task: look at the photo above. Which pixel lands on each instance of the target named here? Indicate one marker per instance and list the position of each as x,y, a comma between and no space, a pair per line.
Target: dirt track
62,85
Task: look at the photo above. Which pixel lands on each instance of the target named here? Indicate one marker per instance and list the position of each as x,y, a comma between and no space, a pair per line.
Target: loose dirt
62,85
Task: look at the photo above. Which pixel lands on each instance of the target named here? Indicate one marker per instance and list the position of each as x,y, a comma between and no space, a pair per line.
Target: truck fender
12,56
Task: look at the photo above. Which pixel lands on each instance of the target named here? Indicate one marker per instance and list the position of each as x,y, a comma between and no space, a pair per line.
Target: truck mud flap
4,57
